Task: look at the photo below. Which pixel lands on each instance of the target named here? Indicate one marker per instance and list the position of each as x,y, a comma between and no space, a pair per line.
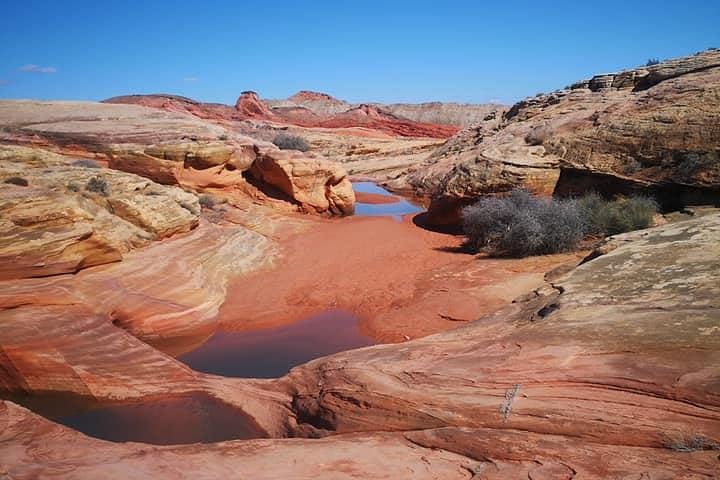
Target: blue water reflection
395,210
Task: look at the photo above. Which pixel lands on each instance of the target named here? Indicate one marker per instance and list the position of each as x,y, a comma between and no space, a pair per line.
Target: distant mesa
307,95
319,110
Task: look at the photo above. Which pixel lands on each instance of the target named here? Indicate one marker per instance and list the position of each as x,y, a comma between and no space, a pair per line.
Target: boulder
314,183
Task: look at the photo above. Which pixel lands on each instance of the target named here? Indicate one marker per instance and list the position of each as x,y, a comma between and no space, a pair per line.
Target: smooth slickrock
169,148
25,440
611,372
60,223
654,130
623,350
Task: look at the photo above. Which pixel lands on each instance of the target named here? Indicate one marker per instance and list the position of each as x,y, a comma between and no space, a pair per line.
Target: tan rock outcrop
654,130
170,148
71,217
317,185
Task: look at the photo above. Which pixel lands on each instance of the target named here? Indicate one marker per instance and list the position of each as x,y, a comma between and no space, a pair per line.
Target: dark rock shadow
421,220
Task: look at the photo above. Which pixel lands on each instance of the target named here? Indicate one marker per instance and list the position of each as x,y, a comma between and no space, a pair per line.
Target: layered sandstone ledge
619,357
654,130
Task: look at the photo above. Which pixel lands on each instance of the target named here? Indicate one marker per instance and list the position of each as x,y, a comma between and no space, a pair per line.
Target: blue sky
405,51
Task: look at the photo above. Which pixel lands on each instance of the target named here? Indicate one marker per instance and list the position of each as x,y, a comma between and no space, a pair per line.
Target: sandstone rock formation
653,129
439,113
70,216
249,106
172,148
306,178
618,359
368,140
376,118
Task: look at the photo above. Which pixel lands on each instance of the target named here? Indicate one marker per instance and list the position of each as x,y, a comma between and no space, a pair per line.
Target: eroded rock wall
653,129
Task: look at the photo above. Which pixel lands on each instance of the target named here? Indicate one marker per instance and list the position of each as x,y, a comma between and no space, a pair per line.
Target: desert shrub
519,225
538,135
651,62
98,185
602,217
291,142
692,163
209,201
631,166
85,163
689,443
74,186
19,181
222,137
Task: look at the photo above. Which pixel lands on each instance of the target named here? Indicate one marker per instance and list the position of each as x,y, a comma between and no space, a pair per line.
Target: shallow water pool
395,210
175,420
272,352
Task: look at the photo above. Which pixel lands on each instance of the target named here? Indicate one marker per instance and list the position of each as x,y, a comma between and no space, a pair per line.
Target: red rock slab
32,447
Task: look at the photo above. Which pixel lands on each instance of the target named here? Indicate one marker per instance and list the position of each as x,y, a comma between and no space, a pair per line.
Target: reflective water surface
273,352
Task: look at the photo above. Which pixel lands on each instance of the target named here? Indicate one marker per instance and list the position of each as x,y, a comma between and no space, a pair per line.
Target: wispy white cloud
31,67
191,79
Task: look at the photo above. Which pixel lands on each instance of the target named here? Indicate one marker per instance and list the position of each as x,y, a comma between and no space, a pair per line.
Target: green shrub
520,224
98,185
19,181
602,217
651,62
291,142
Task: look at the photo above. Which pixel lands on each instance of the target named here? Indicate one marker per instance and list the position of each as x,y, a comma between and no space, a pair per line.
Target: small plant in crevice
692,163
538,135
74,186
689,443
98,185
19,181
209,201
285,141
506,405
86,163
652,61
631,166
